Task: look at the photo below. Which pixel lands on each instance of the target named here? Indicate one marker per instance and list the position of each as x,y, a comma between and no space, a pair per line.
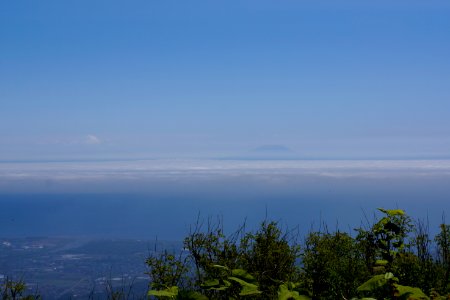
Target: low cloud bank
142,174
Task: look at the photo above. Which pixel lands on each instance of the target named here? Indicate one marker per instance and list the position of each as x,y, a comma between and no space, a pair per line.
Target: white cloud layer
211,168
198,175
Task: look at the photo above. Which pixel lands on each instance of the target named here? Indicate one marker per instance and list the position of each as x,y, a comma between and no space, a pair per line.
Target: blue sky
142,79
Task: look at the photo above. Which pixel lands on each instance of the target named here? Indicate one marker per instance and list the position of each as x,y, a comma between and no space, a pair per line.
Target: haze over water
150,198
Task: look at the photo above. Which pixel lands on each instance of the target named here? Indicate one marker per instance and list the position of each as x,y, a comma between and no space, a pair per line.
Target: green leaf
373,283
242,282
249,292
392,212
389,275
247,288
381,262
221,267
410,293
240,273
284,293
210,283
191,295
171,292
221,288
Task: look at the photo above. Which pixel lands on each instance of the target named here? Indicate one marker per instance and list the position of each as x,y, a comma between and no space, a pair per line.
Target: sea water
165,198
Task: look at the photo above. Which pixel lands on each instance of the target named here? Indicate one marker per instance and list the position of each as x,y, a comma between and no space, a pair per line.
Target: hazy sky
132,79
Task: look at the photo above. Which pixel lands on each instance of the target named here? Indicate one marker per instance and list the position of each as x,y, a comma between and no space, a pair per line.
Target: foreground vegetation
393,258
